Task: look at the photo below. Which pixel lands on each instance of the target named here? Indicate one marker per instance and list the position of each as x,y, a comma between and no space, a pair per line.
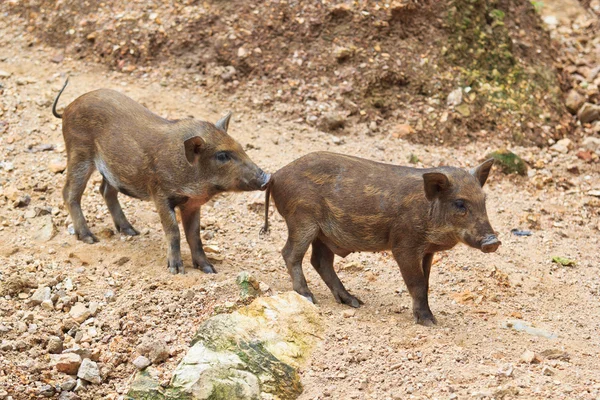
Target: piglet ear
193,147
223,123
436,183
482,171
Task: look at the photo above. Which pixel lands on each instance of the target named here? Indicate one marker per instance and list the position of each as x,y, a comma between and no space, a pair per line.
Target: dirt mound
363,66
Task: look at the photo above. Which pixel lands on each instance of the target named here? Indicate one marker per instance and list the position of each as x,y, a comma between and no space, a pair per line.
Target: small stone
22,201
89,371
79,312
348,313
562,146
210,248
331,122
68,363
591,143
68,284
242,53
401,130
57,165
109,296
141,362
464,110
4,74
55,345
47,305
69,384
529,357
588,113
454,98
337,140
574,101
46,390
93,307
155,350
58,58
546,370
41,294
68,396
249,285
45,231
81,385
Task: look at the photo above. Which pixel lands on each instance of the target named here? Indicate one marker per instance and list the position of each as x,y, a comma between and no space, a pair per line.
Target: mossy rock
251,354
509,162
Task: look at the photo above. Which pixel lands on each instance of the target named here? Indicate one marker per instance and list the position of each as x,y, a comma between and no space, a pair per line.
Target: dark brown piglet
181,163
342,204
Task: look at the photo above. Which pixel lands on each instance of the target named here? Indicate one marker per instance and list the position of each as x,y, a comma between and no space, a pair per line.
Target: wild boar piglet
342,204
174,163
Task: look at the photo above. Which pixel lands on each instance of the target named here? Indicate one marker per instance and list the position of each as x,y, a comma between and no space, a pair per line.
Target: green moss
509,162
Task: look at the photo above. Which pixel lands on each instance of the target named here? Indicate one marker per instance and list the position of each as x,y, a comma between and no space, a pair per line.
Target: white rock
454,98
141,362
41,294
562,146
79,312
89,371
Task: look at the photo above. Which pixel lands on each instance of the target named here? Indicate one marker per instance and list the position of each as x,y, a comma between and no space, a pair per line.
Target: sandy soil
377,352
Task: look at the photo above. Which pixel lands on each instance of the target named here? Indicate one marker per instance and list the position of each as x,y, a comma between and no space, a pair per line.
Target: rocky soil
78,320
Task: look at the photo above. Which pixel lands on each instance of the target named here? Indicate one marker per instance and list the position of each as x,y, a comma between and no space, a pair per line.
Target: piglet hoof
88,238
175,267
308,295
128,231
348,299
206,267
425,318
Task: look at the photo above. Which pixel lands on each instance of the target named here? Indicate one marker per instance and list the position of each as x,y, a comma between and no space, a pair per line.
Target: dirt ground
377,352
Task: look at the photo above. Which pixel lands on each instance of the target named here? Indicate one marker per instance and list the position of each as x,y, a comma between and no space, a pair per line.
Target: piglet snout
490,244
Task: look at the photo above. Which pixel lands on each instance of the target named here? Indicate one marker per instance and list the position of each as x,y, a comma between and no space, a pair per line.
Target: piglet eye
460,206
223,156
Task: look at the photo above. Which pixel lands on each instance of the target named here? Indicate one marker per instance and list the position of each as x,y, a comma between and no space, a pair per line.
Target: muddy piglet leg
416,274
168,220
190,217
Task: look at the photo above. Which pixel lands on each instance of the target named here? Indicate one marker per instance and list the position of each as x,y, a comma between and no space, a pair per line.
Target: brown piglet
174,163
342,204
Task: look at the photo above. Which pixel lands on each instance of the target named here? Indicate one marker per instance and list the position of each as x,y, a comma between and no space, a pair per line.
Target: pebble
47,305
109,296
574,101
546,370
529,357
348,313
89,371
68,363
41,294
55,345
156,350
588,113
46,390
141,362
57,165
68,396
562,146
79,312
455,97
69,384
591,143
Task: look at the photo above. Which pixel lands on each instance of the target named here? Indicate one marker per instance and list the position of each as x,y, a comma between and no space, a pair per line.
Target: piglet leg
190,217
